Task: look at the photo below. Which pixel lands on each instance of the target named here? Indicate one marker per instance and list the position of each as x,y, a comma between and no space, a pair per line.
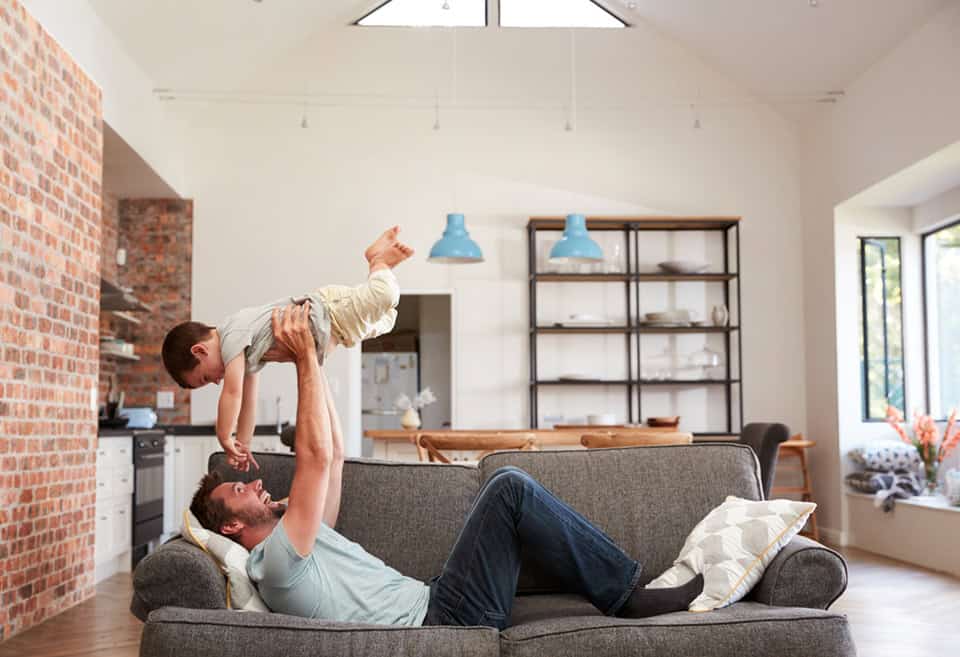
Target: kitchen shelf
125,316
113,297
118,355
581,382
634,278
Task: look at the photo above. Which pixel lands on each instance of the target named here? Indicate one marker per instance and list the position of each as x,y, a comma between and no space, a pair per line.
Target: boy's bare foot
380,244
393,255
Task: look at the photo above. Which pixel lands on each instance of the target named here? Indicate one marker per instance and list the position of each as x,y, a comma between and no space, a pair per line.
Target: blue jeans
513,512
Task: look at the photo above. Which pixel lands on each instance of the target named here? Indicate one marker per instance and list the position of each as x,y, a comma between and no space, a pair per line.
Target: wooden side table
797,447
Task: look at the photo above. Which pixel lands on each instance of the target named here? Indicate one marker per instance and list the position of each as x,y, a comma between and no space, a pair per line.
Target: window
427,13
556,13
881,326
941,257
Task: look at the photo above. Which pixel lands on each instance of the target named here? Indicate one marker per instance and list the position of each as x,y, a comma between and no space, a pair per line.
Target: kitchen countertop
188,430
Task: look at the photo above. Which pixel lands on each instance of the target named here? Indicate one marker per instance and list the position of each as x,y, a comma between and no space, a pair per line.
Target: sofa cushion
215,633
408,514
178,573
744,629
647,499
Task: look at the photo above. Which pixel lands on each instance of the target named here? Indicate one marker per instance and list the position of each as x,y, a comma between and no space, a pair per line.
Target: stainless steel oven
147,490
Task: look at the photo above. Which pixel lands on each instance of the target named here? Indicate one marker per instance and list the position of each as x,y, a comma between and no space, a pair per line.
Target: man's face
249,504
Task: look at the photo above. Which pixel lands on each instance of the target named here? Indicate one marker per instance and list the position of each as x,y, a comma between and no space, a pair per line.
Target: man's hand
293,331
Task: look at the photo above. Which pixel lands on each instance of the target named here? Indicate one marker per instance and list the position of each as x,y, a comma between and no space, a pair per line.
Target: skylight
556,13
428,13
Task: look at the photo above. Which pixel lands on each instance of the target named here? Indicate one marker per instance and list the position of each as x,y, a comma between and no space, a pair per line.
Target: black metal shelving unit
633,280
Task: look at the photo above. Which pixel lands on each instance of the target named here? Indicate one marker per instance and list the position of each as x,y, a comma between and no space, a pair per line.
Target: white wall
901,110
280,209
129,105
941,209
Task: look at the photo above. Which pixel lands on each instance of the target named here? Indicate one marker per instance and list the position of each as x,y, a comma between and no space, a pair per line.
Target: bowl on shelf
683,266
664,421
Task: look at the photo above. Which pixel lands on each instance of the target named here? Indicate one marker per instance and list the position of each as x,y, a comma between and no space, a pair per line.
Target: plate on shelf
574,376
652,323
584,322
683,266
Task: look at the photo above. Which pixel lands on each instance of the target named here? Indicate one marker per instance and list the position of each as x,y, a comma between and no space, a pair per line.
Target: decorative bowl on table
683,266
664,421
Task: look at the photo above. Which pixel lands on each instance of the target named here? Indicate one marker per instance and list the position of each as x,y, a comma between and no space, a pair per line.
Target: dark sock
651,602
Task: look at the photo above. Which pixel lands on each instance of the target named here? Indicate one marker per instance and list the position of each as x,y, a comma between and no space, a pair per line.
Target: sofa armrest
177,574
173,632
804,574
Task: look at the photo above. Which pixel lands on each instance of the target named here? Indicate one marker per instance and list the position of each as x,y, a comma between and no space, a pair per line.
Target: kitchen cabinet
114,506
190,455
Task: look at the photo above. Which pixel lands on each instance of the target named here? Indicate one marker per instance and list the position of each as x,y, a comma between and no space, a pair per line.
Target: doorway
417,354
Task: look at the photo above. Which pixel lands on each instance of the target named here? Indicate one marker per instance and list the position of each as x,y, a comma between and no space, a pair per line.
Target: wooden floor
895,610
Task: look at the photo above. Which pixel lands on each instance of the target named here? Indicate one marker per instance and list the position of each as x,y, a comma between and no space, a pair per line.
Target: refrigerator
385,376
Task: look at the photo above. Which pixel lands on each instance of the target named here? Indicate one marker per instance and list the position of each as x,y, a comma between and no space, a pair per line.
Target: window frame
862,241
925,298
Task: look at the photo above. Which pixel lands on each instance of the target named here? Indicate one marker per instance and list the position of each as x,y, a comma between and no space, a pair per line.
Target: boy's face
208,370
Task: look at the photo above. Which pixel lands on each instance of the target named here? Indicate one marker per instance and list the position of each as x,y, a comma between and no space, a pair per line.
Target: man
302,566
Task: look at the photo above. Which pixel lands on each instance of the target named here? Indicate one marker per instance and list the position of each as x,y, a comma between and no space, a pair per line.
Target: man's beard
262,515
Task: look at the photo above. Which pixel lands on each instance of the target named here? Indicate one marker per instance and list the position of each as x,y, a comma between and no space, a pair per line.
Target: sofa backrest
408,514
647,499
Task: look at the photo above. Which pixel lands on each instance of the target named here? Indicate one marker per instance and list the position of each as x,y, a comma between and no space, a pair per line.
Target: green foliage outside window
881,326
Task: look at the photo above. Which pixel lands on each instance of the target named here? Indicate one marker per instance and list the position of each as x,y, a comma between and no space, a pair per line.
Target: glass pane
428,13
881,327
555,13
943,295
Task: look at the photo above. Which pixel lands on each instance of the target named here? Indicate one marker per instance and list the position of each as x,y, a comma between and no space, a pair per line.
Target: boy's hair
212,514
175,352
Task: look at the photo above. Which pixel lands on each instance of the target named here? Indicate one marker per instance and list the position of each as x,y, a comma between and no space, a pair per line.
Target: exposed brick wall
158,237
52,144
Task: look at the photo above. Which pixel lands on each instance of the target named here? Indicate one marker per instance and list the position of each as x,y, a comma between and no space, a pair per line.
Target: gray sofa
409,514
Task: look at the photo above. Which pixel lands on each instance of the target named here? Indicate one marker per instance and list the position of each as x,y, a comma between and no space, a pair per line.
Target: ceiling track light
814,3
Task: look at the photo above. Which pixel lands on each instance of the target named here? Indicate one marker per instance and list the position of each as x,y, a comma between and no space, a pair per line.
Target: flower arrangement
425,398
926,438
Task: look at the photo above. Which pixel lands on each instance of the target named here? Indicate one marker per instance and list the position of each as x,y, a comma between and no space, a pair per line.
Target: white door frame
453,340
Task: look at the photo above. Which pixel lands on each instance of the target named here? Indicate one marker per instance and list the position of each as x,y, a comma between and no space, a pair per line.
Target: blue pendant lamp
455,247
576,244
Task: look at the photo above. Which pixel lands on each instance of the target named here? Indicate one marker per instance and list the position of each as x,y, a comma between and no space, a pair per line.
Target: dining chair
765,439
432,445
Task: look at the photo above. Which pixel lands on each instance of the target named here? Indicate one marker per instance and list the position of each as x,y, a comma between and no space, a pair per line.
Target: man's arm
228,408
313,443
332,509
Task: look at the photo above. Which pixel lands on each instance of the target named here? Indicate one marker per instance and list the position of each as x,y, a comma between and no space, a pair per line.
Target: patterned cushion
886,455
871,481
732,547
231,557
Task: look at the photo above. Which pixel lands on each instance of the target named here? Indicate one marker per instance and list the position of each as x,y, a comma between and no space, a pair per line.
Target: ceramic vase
720,315
410,419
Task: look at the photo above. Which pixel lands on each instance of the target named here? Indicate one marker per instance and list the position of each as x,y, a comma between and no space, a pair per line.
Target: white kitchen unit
395,450
190,455
114,510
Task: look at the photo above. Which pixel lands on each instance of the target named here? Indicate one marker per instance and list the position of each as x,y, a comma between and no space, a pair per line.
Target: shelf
118,355
636,329
623,278
677,278
582,329
583,278
582,382
119,314
646,222
686,382
113,297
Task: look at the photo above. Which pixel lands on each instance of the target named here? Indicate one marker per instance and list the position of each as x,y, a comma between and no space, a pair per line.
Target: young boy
236,350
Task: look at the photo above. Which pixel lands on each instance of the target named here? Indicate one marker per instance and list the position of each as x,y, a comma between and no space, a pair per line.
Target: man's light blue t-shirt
338,580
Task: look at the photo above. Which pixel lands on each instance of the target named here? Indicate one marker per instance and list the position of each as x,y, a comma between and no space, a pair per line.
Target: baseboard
833,537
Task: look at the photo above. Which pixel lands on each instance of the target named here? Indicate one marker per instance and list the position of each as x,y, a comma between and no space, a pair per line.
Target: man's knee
507,476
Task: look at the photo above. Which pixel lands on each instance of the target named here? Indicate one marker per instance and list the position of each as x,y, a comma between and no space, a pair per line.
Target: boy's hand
293,331
239,456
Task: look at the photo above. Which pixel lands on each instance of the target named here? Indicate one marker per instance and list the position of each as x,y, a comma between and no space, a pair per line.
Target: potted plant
926,438
411,416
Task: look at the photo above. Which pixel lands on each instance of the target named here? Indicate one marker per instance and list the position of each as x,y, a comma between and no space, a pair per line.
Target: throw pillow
232,558
732,547
886,455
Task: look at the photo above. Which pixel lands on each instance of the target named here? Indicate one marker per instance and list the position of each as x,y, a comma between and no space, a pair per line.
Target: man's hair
211,513
176,354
